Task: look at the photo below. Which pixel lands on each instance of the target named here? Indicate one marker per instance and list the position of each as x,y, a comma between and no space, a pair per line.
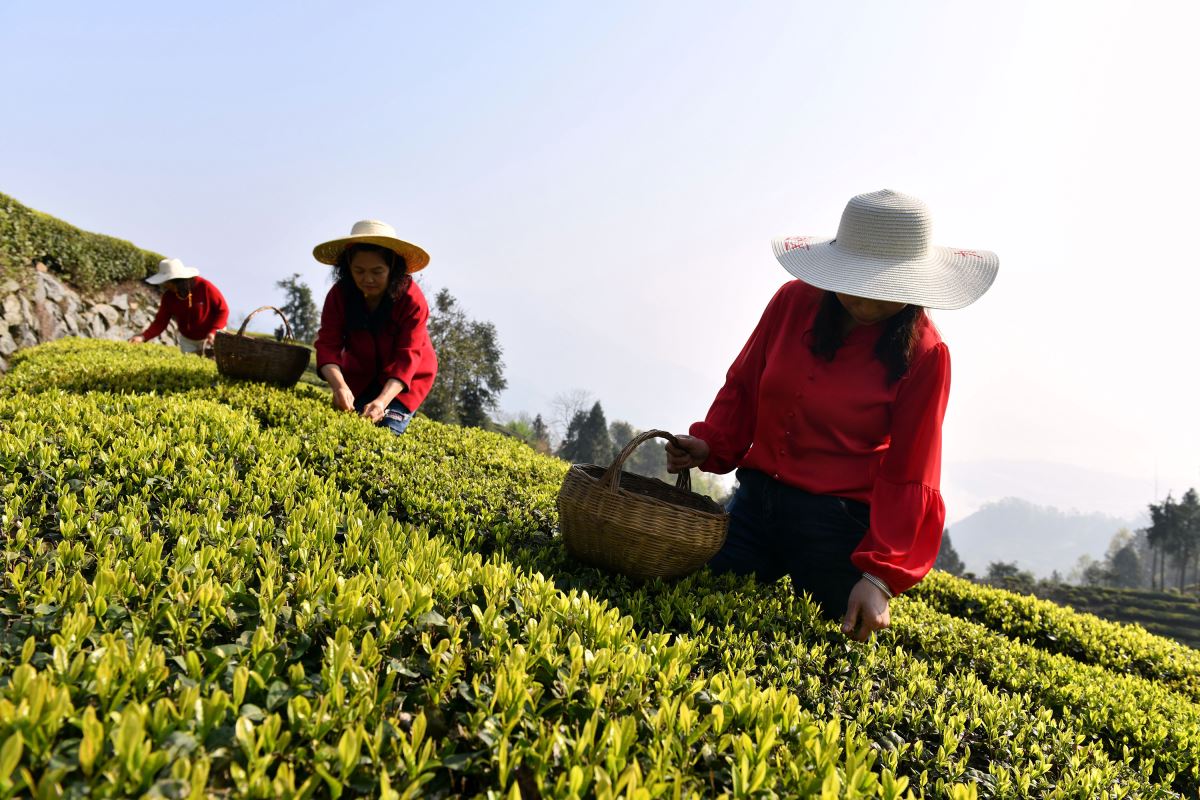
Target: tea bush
1085,638
88,260
1164,613
215,588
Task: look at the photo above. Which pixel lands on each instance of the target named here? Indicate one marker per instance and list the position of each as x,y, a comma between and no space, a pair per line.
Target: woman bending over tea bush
373,348
195,304
832,413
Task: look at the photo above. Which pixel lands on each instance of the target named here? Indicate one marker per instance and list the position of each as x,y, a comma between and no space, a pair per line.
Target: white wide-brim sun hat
883,251
372,231
170,269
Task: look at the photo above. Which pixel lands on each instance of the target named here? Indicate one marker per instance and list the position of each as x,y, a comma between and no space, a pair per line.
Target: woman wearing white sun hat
832,413
197,306
373,347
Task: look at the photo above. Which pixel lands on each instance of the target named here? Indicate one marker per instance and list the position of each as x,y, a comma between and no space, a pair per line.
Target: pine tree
587,440
541,435
571,447
947,558
598,437
299,308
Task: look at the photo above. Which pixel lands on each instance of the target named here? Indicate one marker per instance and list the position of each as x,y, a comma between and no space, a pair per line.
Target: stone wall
37,307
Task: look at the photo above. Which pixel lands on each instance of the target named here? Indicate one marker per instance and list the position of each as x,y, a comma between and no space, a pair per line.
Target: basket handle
287,327
612,476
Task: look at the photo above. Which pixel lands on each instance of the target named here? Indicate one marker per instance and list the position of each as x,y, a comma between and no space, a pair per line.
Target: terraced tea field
218,589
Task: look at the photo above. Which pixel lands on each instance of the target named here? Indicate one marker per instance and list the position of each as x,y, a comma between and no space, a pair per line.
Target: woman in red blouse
832,413
198,308
373,348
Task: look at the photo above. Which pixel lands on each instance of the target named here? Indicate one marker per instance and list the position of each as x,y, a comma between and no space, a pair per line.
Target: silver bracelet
879,584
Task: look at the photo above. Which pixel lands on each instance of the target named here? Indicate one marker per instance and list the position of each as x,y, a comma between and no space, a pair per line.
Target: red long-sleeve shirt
837,427
199,313
398,349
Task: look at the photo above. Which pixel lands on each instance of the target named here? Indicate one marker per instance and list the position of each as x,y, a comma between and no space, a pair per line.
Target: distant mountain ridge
968,485
1039,538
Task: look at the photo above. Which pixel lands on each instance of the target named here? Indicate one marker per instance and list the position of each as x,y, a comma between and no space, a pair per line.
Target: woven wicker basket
638,526
266,360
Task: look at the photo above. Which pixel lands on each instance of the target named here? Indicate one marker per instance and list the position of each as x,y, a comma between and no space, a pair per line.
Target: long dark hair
398,277
895,345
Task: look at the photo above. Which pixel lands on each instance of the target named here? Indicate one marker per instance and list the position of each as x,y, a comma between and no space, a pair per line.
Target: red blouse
837,427
398,348
199,313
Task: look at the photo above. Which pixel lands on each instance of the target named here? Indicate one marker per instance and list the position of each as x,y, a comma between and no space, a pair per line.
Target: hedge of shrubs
87,260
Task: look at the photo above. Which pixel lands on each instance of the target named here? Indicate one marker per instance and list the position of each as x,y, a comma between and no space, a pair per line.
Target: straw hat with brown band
372,231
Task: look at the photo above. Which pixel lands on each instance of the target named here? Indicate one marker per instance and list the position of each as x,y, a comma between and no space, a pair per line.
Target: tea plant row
216,588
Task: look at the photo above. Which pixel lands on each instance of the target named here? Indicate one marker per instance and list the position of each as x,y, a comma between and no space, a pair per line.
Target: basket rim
579,470
257,341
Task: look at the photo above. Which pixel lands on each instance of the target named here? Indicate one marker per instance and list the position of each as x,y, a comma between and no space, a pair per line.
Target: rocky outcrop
36,307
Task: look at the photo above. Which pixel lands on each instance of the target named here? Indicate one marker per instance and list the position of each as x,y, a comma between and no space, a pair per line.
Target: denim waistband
761,481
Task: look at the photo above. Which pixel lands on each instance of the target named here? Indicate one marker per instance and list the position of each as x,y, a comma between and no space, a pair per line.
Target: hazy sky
602,181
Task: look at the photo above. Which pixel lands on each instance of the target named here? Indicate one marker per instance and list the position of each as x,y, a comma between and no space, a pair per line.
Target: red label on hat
796,243
967,253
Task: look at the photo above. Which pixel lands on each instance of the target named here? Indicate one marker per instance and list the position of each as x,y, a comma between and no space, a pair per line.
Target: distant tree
299,308
1125,568
947,559
587,440
572,448
564,408
1174,535
1000,570
1187,533
1091,572
530,430
541,435
649,459
1008,575
470,370
1122,565
519,427
622,433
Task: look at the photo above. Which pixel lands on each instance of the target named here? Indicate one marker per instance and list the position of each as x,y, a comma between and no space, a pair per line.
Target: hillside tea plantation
223,589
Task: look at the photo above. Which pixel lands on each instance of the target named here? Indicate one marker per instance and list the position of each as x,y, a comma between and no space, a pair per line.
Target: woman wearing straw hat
373,348
832,413
198,308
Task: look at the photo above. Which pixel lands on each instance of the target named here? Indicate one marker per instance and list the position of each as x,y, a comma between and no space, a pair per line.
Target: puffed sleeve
330,335
907,512
407,350
729,427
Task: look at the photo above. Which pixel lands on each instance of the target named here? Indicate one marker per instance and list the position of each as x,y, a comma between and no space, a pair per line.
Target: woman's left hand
374,410
866,611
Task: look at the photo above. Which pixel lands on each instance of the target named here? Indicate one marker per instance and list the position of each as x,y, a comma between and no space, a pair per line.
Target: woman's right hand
343,398
692,452
137,338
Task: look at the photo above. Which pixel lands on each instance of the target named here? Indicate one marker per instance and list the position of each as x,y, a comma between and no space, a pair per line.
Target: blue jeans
777,530
395,418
